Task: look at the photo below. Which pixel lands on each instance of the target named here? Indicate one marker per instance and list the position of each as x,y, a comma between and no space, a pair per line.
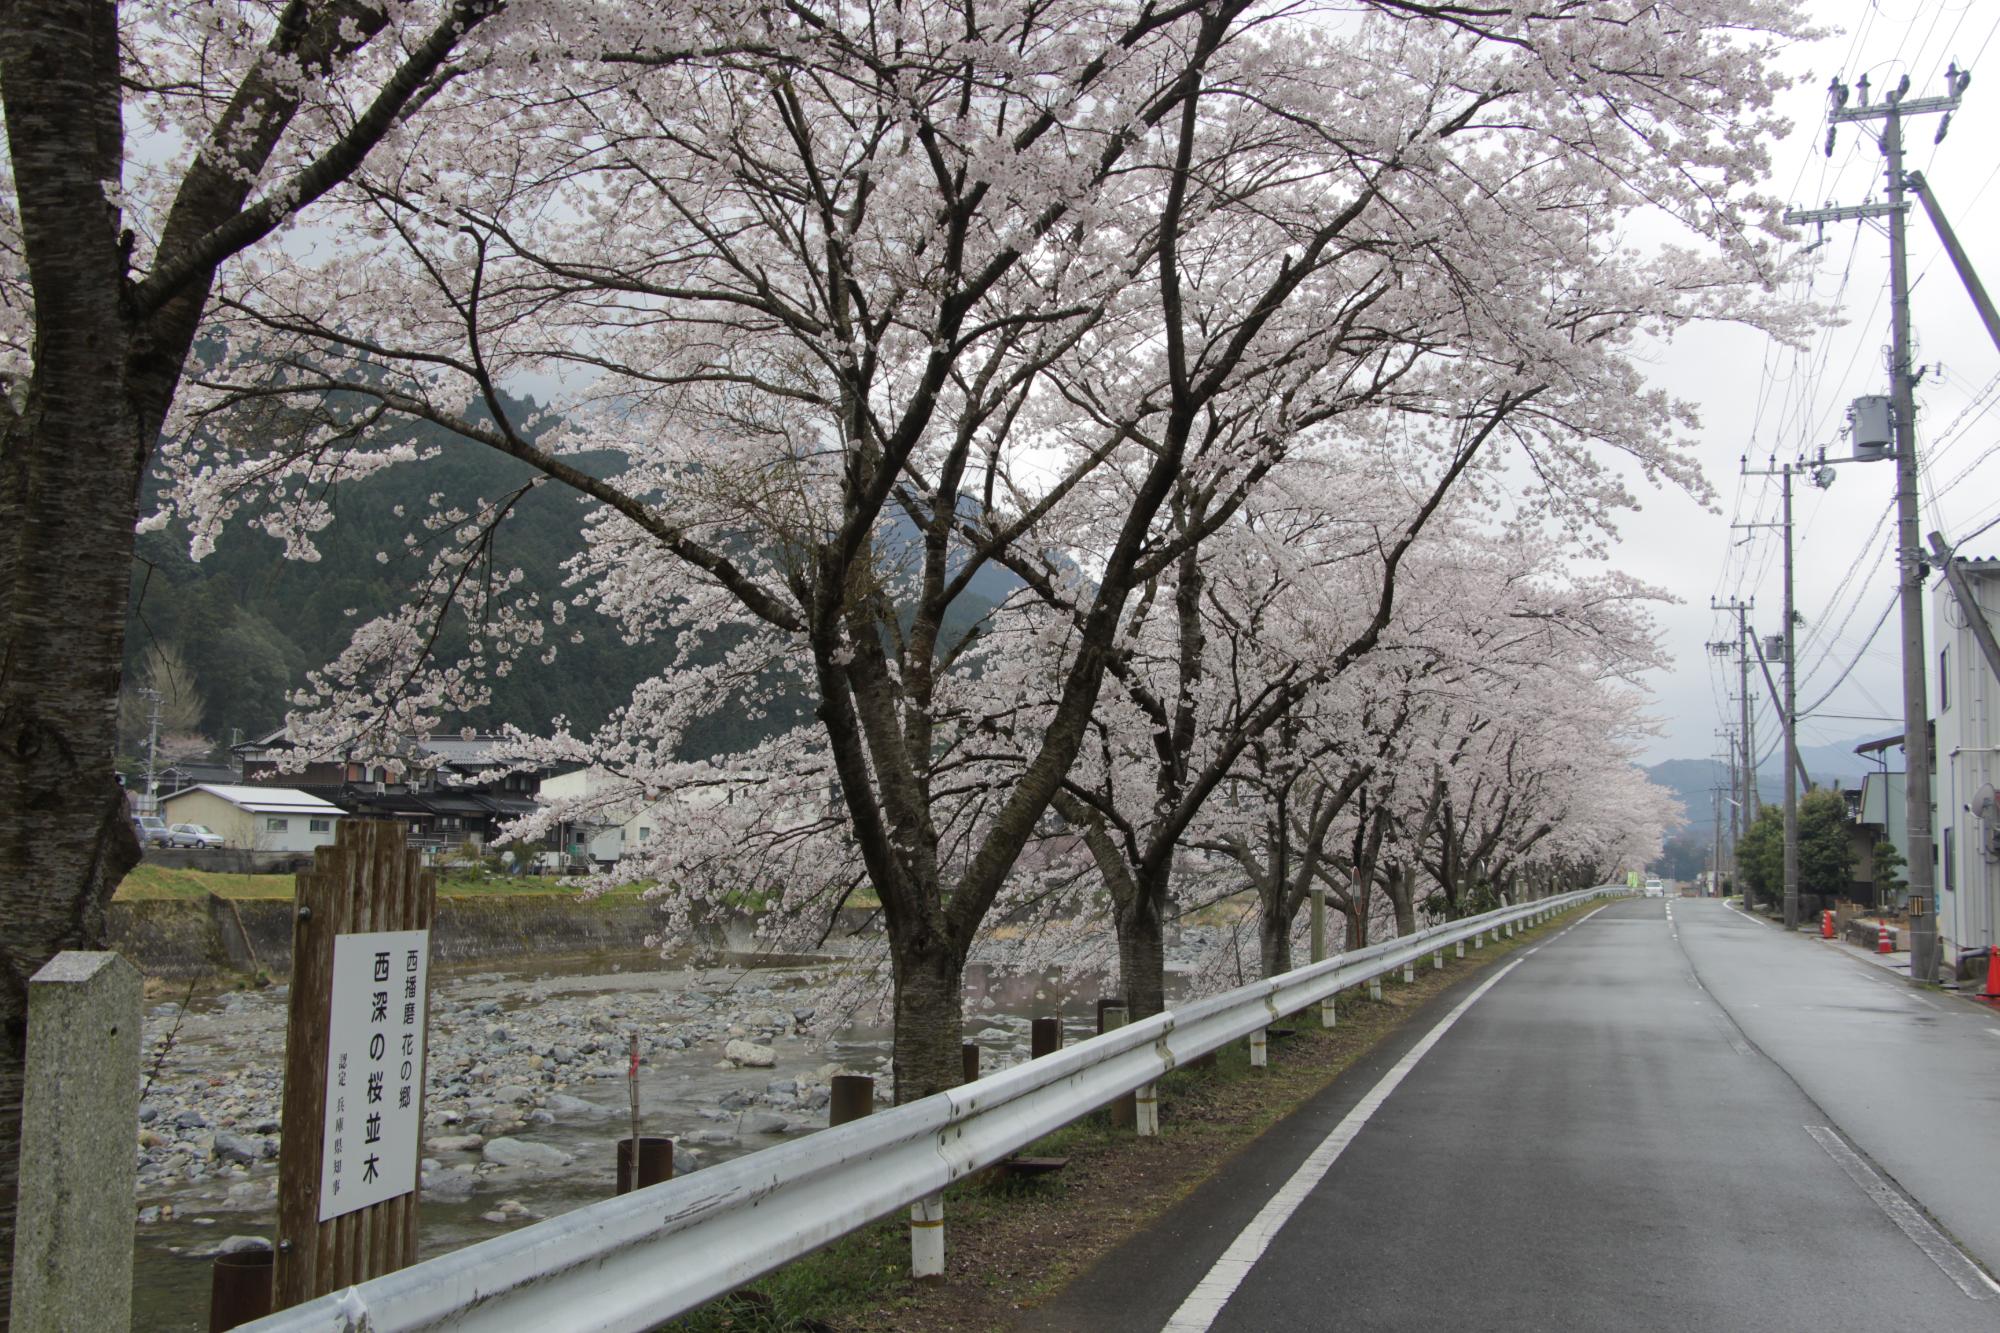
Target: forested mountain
1693,781
241,627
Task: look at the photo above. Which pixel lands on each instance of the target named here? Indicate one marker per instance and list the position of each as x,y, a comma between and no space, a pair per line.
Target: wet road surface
1664,1117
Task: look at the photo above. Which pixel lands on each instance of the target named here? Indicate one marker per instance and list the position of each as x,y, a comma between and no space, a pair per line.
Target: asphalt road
1611,1134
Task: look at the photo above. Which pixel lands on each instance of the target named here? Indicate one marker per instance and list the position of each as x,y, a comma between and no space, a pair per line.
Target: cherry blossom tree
871,302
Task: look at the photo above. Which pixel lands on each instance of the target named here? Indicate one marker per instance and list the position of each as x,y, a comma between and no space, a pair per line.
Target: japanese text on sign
374,1069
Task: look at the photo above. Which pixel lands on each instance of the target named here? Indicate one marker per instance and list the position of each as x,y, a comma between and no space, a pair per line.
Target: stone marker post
79,1162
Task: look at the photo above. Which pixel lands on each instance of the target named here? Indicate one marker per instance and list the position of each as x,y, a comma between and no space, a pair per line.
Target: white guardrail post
629,1263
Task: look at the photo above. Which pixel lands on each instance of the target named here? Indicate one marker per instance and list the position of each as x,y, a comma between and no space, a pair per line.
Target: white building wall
1965,701
253,830
196,806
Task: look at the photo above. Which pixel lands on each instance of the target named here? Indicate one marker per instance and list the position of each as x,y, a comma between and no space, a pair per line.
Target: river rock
563,1105
451,1186
519,1152
749,1055
458,1143
235,1148
762,1122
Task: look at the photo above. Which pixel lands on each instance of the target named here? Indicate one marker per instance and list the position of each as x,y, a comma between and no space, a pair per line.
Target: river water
531,1057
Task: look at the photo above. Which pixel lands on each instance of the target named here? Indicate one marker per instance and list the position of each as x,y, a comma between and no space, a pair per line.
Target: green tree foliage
1760,855
1889,867
1826,849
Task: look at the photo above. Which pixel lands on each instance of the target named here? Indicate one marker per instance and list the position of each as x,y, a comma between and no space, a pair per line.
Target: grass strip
1012,1244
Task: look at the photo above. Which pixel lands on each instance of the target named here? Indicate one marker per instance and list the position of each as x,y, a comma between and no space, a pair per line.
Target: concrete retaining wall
228,860
185,939
1865,935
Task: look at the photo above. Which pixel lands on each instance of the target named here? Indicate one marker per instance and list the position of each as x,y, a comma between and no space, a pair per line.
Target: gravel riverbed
526,1095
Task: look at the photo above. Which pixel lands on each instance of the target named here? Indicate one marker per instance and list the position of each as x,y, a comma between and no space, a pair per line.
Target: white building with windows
1966,705
262,819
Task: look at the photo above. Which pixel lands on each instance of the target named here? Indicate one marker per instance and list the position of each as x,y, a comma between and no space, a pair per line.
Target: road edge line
1954,1262
1198,1311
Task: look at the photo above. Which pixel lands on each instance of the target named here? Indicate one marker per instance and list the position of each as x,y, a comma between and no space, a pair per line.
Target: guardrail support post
1409,973
1437,960
927,1237
1459,949
1259,1055
1329,1014
1146,1105
1044,1037
1479,939
852,1096
1375,988
1123,1111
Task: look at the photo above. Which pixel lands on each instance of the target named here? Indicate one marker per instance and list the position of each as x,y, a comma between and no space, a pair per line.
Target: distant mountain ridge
1693,781
249,624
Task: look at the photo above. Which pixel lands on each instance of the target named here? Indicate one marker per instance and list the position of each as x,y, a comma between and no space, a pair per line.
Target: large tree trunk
1142,956
69,469
929,1022
1274,942
1356,916
1404,899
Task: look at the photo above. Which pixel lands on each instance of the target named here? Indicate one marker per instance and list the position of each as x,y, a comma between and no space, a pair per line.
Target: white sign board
374,1069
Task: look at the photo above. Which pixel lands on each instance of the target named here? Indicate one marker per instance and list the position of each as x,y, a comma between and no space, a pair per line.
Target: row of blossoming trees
1281,356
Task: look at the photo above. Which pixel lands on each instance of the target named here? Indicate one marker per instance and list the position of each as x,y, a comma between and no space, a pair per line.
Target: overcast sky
1760,398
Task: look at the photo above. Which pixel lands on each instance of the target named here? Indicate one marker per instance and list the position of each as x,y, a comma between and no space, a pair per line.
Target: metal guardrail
634,1261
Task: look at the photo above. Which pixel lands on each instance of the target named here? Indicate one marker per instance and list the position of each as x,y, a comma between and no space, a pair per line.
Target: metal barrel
853,1097
656,1162
239,1289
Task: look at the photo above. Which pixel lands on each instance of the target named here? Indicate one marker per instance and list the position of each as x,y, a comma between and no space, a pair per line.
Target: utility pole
153,754
1903,408
1715,859
1787,714
1748,771
1733,792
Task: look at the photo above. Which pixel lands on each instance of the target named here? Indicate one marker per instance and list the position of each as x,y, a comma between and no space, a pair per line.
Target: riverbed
527,1092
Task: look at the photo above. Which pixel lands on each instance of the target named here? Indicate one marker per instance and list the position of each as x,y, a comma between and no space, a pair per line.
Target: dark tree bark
109,347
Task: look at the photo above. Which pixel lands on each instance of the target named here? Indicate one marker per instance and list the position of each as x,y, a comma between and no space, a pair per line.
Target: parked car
193,835
152,831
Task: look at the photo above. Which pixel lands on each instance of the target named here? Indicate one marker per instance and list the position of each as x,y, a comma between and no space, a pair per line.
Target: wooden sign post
354,1064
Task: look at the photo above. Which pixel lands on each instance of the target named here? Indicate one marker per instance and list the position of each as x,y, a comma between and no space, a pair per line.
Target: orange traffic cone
1992,991
1885,940
1826,925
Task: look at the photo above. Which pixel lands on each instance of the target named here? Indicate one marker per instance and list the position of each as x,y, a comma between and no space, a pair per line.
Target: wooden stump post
368,882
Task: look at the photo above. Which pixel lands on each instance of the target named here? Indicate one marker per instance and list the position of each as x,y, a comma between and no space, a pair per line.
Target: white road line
1205,1302
1971,1279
